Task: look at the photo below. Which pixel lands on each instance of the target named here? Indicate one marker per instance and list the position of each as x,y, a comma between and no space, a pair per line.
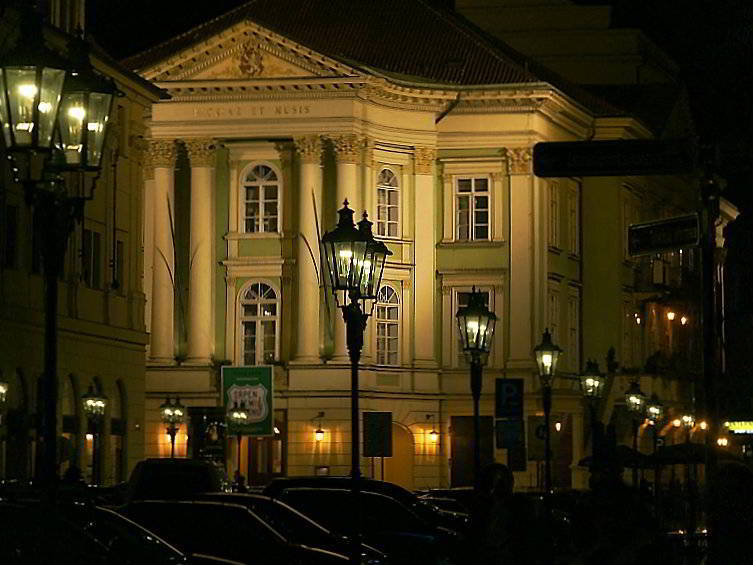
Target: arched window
388,204
388,327
261,199
260,317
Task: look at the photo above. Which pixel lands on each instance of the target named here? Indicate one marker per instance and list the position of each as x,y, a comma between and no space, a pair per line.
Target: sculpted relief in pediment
251,60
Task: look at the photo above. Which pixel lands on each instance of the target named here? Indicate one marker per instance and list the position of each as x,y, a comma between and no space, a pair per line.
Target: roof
381,34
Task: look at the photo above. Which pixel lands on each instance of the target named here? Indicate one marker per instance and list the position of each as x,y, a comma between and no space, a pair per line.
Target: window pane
269,309
270,193
482,202
392,214
482,217
270,208
464,185
393,230
481,232
393,197
481,185
381,196
252,192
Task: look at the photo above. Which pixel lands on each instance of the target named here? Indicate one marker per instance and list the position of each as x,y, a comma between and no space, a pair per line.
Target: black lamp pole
476,324
355,263
547,355
592,383
635,401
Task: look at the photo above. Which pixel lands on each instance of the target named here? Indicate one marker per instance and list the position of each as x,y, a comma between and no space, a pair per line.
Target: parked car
458,521
37,532
294,525
463,496
174,479
385,523
227,530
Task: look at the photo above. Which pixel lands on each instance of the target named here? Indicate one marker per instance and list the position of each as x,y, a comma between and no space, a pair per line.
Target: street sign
510,433
659,236
508,398
620,157
252,386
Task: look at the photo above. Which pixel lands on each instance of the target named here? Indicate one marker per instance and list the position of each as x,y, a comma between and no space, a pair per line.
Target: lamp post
239,418
476,324
42,142
94,408
547,355
172,416
635,401
355,262
592,383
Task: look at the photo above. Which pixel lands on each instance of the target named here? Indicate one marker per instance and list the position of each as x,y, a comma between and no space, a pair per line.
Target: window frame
456,195
96,263
379,321
398,189
554,224
242,183
242,319
573,219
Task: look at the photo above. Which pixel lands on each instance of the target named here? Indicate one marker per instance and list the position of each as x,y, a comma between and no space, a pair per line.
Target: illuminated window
388,204
388,327
261,194
260,316
472,208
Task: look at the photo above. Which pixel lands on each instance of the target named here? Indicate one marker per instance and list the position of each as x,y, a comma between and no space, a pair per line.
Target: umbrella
689,452
625,456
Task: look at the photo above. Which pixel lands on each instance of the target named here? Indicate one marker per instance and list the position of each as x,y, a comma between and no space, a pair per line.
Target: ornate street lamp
355,262
94,405
172,416
592,383
635,400
3,392
547,355
34,83
319,432
476,324
238,416
654,415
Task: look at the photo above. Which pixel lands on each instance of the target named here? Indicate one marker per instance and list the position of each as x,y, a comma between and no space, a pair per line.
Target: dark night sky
712,40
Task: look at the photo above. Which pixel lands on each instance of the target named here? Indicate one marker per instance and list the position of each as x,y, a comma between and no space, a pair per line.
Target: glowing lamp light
3,392
688,421
476,325
319,434
670,315
684,320
635,399
558,426
722,442
654,409
547,354
677,422
703,425
89,437
592,381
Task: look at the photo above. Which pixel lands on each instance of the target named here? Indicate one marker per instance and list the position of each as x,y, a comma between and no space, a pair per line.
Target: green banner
253,387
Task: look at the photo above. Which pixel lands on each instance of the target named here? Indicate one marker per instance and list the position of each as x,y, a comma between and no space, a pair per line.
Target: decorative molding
162,153
309,147
285,150
147,165
250,58
347,147
201,151
368,152
496,176
424,158
519,160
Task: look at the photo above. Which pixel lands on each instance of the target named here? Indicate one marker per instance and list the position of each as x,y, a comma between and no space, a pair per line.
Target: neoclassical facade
270,126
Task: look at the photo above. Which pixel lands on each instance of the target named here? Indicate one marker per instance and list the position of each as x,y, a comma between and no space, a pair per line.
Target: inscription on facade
252,111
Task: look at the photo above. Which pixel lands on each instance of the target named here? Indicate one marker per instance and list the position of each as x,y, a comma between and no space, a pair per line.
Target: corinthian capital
309,147
201,151
162,152
519,160
425,157
347,147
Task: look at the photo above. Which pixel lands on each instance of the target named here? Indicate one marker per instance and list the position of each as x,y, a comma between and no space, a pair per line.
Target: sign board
510,433
253,387
620,157
377,434
739,427
658,236
508,398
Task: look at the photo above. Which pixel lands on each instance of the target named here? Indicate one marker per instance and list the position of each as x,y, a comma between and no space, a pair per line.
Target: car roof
366,485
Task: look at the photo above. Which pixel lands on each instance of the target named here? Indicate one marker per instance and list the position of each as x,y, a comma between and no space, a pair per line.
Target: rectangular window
573,231
388,204
119,282
573,331
553,313
554,215
10,247
91,259
472,209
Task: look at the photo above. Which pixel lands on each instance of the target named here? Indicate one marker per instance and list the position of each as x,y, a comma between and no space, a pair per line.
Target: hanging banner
253,387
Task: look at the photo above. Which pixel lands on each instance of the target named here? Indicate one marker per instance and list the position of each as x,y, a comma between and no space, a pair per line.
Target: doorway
398,469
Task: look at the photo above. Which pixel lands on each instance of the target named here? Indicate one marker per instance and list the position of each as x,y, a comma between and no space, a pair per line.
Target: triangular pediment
243,51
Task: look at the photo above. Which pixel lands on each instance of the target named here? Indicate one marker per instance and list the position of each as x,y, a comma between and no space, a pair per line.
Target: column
347,153
425,239
309,150
148,241
521,245
201,153
163,296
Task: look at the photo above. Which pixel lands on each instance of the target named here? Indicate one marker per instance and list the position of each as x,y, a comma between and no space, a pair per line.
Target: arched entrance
398,469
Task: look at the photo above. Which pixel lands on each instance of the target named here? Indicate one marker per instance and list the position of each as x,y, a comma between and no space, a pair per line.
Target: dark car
296,526
458,521
174,479
385,523
36,532
227,530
